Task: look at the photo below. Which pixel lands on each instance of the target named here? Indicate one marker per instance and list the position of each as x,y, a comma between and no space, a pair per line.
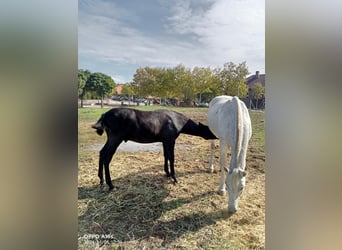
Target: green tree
232,79
101,84
184,83
127,89
165,83
83,76
204,81
257,92
144,81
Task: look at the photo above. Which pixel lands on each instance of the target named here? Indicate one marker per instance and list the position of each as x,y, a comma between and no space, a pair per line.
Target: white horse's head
235,182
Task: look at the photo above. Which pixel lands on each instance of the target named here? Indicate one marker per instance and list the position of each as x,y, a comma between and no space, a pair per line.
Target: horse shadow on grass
134,209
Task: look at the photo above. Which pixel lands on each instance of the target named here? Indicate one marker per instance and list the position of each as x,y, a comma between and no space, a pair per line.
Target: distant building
251,81
254,79
118,89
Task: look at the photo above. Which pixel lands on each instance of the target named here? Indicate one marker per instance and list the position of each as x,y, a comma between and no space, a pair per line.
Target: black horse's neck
197,129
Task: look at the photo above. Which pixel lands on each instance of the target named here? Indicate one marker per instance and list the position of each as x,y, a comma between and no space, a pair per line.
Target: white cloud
119,79
196,33
228,30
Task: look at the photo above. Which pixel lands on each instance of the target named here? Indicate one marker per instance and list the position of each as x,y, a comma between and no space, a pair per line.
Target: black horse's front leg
166,159
173,172
171,154
166,168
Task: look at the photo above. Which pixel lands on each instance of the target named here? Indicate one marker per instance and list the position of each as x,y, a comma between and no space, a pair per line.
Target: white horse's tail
238,128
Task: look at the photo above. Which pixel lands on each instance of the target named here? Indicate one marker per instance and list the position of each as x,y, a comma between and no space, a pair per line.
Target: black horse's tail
99,126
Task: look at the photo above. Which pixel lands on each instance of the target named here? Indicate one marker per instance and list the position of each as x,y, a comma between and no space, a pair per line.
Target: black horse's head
206,132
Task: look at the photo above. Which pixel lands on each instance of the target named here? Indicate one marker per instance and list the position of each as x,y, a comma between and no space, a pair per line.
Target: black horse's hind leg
103,153
106,156
111,151
100,172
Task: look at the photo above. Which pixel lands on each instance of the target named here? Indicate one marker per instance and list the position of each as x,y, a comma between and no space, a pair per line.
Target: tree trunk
256,103
81,101
101,101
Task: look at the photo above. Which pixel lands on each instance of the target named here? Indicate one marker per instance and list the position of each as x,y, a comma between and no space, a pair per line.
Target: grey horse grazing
123,124
229,120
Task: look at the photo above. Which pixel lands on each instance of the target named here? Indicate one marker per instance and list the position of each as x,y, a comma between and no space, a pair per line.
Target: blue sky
117,37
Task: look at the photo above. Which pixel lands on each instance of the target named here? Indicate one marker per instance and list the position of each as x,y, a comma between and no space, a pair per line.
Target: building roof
253,79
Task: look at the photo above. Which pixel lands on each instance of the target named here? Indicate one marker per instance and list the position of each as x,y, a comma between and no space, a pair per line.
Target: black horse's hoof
175,180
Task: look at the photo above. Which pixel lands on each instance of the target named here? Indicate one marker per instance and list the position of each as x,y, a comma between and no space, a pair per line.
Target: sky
116,37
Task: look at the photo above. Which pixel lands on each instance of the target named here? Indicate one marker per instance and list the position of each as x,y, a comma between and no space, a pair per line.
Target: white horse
229,120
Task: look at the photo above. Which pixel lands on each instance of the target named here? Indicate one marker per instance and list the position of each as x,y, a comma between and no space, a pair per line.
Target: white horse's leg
211,159
223,165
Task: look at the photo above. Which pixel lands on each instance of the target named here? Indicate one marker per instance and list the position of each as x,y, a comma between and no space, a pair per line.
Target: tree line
94,85
198,84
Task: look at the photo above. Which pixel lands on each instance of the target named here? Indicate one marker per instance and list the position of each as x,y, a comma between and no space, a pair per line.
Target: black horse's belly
145,137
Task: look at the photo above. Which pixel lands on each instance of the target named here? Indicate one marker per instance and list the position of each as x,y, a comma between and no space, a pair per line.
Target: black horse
123,124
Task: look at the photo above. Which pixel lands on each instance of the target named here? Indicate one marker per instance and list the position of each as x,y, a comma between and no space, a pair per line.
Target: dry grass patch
147,211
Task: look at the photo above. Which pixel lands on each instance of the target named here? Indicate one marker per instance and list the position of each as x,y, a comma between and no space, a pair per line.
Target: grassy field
147,211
